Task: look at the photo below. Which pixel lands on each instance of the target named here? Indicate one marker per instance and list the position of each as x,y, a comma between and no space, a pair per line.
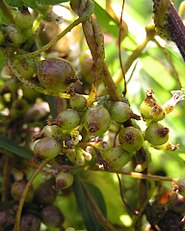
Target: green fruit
45,193
63,180
30,222
52,131
131,139
97,120
47,147
14,35
68,119
150,109
23,19
25,68
156,134
56,74
120,112
78,102
117,157
52,216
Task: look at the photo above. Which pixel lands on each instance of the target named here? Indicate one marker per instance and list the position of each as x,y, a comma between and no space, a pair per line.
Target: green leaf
105,20
89,218
32,3
13,148
2,58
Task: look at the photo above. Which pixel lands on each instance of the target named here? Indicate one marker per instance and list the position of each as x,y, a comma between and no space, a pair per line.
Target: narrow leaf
13,148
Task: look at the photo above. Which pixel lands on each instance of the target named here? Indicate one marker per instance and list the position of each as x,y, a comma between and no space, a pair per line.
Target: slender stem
141,175
119,49
25,193
85,15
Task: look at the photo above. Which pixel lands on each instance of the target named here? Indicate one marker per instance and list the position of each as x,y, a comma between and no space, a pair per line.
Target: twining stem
25,193
88,11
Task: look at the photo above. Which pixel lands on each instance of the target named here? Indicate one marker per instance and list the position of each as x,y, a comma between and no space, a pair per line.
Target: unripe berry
67,120
51,131
52,216
45,193
29,222
47,147
131,139
117,157
14,36
78,102
56,74
120,112
23,19
150,109
156,134
25,68
97,120
63,180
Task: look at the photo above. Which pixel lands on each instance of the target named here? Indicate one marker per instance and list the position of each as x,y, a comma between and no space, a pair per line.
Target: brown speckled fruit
56,74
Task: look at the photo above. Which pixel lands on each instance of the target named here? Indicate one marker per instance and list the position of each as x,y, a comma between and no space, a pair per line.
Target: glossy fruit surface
78,102
56,74
120,112
131,139
64,180
117,157
47,147
156,134
97,120
68,119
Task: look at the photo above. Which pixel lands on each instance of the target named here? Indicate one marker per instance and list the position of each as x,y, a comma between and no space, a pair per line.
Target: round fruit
97,120
47,147
17,190
131,139
7,219
25,68
68,119
78,102
120,112
51,131
45,194
23,19
14,35
156,134
63,180
117,157
52,216
30,222
56,74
